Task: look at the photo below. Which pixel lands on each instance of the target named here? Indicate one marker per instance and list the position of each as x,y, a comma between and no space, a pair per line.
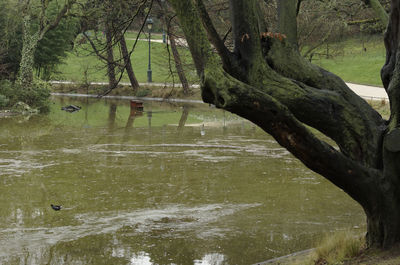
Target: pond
175,184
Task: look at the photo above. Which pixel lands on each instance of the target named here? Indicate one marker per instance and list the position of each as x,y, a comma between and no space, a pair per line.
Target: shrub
143,92
339,246
37,96
3,101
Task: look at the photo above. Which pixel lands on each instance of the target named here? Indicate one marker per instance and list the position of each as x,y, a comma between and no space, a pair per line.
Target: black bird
56,207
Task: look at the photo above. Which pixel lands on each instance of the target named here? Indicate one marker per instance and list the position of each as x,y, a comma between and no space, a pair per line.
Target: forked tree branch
227,58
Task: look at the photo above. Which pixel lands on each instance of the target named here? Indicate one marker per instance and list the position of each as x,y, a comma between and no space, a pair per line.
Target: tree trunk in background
174,49
287,19
128,64
112,82
178,64
29,44
268,82
32,37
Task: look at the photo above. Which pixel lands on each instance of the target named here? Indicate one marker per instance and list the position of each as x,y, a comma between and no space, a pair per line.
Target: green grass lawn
82,64
355,65
348,60
143,35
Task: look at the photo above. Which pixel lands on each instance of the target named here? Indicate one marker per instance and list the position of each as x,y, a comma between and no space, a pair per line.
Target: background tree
11,40
167,16
55,45
32,35
266,80
116,18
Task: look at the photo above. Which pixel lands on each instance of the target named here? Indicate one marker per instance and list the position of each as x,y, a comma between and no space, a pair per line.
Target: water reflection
211,259
172,187
141,259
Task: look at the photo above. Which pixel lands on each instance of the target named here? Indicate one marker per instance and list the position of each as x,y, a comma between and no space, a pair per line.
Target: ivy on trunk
265,80
31,37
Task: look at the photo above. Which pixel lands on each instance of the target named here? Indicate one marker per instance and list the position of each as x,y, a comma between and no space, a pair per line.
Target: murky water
157,187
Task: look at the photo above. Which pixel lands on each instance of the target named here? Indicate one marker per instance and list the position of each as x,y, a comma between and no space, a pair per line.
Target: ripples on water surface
156,188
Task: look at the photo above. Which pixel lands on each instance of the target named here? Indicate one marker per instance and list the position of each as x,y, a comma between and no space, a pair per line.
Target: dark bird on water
56,207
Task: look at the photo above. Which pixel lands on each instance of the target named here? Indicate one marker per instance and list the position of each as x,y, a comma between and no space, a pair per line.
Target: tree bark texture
178,64
128,64
112,81
174,48
287,19
268,82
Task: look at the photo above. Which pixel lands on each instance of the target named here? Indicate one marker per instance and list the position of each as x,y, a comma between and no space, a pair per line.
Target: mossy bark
287,19
379,11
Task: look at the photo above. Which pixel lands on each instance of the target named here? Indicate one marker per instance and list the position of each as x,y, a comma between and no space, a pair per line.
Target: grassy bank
354,60
343,248
83,66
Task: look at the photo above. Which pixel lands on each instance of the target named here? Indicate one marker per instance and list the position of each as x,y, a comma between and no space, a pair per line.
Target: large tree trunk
266,81
128,64
287,19
387,220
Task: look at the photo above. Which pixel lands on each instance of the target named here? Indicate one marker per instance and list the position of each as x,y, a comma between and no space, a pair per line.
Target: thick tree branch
281,91
316,98
227,57
196,37
228,93
49,26
354,118
379,11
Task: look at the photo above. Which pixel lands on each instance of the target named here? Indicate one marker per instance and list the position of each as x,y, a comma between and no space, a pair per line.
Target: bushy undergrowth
338,247
3,101
334,249
143,92
37,96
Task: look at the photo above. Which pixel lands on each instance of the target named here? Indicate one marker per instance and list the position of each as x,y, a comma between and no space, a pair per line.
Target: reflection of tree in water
117,249
133,114
158,246
183,119
112,113
86,109
149,114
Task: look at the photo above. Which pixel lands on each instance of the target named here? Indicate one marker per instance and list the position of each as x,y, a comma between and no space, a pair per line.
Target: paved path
179,41
369,92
